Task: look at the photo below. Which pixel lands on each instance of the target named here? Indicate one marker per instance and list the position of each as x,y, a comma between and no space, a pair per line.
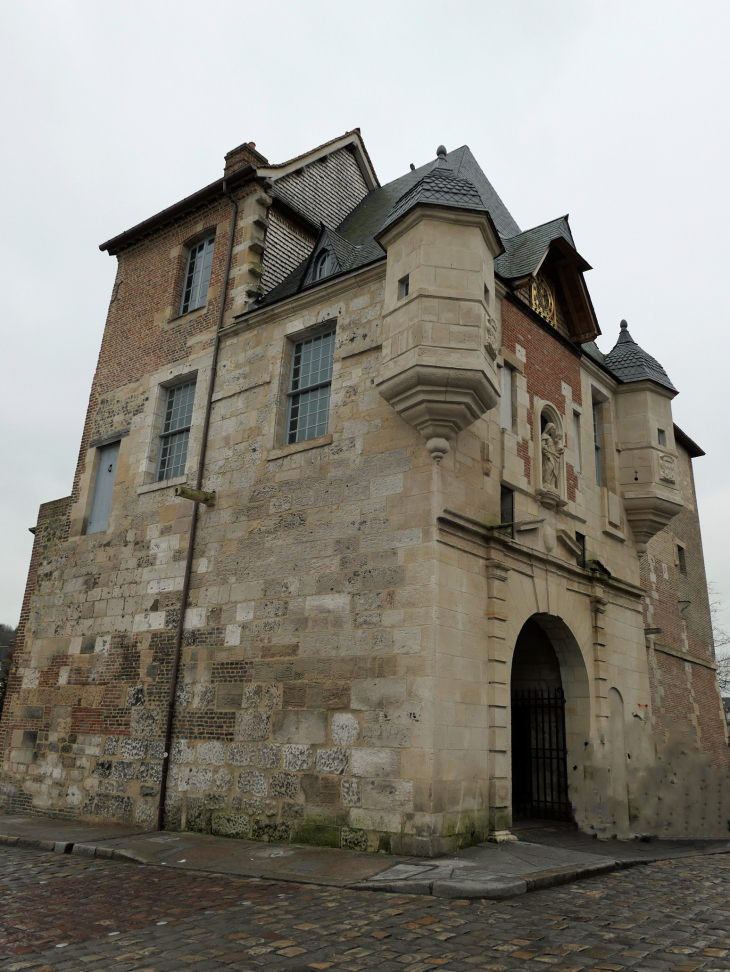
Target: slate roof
593,351
368,218
439,187
523,252
628,362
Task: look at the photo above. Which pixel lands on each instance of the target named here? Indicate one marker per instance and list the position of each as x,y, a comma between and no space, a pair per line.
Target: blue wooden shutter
101,504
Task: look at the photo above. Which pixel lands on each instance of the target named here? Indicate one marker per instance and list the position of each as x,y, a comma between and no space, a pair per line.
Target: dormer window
322,265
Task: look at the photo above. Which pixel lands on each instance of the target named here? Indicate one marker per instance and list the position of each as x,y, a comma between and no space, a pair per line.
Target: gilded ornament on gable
543,299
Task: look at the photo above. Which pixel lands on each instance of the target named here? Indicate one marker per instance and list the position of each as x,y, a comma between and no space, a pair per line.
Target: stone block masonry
353,605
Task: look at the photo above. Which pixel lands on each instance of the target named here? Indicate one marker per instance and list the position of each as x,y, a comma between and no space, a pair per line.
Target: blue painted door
101,504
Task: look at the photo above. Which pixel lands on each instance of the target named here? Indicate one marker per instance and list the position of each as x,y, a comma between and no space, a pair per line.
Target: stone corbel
550,498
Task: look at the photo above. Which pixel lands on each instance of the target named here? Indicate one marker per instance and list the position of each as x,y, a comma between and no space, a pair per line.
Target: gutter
194,518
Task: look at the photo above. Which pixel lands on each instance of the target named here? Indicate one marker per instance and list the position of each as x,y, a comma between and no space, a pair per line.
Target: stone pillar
600,662
498,694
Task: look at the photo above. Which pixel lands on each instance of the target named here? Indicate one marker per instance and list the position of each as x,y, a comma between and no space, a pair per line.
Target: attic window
322,265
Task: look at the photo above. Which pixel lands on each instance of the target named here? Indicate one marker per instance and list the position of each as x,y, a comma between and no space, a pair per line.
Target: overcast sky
614,112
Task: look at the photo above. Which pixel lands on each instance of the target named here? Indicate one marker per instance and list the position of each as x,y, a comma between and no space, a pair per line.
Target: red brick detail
548,364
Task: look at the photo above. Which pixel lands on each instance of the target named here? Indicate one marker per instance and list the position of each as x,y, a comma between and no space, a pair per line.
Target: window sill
161,484
179,317
288,450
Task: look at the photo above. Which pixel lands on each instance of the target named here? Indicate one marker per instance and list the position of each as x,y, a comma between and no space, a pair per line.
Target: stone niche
436,371
647,468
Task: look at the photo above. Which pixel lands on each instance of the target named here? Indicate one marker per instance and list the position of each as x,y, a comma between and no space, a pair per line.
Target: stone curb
492,889
498,889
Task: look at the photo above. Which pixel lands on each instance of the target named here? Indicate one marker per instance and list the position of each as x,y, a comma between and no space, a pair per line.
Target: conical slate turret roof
628,362
439,187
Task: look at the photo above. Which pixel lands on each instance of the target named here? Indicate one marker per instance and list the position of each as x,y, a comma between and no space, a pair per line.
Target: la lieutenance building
440,558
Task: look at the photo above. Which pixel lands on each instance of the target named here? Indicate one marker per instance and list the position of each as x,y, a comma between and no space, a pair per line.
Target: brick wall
549,364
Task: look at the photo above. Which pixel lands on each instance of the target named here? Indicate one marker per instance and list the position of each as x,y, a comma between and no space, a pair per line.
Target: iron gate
539,755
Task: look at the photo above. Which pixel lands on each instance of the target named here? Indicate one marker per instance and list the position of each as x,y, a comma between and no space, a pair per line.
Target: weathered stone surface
252,725
284,785
133,748
253,782
241,754
226,823
376,763
297,757
332,760
345,729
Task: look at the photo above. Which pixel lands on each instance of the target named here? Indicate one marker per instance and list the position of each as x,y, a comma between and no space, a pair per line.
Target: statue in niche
552,451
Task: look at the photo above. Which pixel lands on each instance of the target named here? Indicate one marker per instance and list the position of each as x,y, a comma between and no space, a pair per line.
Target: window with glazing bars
197,275
309,388
176,431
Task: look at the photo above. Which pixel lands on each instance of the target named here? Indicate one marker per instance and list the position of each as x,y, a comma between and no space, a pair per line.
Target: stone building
440,558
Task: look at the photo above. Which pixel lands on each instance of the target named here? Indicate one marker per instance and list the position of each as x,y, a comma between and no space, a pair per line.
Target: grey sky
615,112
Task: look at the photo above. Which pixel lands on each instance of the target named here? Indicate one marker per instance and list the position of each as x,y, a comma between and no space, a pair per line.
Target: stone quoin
368,544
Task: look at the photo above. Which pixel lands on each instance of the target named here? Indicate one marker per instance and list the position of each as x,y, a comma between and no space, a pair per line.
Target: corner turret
648,458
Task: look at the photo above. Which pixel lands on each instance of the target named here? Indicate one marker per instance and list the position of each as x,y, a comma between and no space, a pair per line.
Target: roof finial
441,151
441,161
624,325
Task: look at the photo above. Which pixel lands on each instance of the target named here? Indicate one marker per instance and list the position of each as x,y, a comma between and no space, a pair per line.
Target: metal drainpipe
194,520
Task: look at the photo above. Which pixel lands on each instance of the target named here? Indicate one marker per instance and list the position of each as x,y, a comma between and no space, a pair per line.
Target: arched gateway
550,703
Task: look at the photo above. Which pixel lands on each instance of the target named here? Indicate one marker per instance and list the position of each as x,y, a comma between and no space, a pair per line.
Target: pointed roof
439,187
525,252
368,218
628,362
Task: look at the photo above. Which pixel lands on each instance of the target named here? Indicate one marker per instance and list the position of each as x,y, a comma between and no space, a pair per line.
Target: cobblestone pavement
60,912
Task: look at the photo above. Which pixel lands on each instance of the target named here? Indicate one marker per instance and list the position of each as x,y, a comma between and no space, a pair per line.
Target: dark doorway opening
539,753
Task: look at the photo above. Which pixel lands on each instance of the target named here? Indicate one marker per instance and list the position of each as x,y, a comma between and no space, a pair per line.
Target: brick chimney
242,155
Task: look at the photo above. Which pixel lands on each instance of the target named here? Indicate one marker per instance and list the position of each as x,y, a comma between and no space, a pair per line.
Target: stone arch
573,678
548,415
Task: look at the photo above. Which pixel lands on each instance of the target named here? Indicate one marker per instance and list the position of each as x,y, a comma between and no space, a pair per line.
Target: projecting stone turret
441,244
646,432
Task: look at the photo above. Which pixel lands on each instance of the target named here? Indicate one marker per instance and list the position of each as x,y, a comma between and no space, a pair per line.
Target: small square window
197,275
403,287
309,388
681,559
662,436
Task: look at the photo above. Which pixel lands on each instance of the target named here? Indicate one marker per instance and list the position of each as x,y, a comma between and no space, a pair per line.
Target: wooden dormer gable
545,263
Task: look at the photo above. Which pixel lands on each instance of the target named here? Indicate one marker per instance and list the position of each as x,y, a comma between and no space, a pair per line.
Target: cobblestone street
61,912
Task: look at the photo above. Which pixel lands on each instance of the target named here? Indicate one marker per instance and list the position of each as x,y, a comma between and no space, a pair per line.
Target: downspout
194,520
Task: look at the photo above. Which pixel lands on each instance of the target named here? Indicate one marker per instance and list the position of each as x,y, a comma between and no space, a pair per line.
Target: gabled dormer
331,254
543,265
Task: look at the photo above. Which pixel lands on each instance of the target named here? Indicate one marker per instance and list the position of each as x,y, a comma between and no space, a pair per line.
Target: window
597,440
176,431
103,487
507,508
197,275
681,559
581,540
404,287
322,265
662,437
506,407
576,445
309,388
